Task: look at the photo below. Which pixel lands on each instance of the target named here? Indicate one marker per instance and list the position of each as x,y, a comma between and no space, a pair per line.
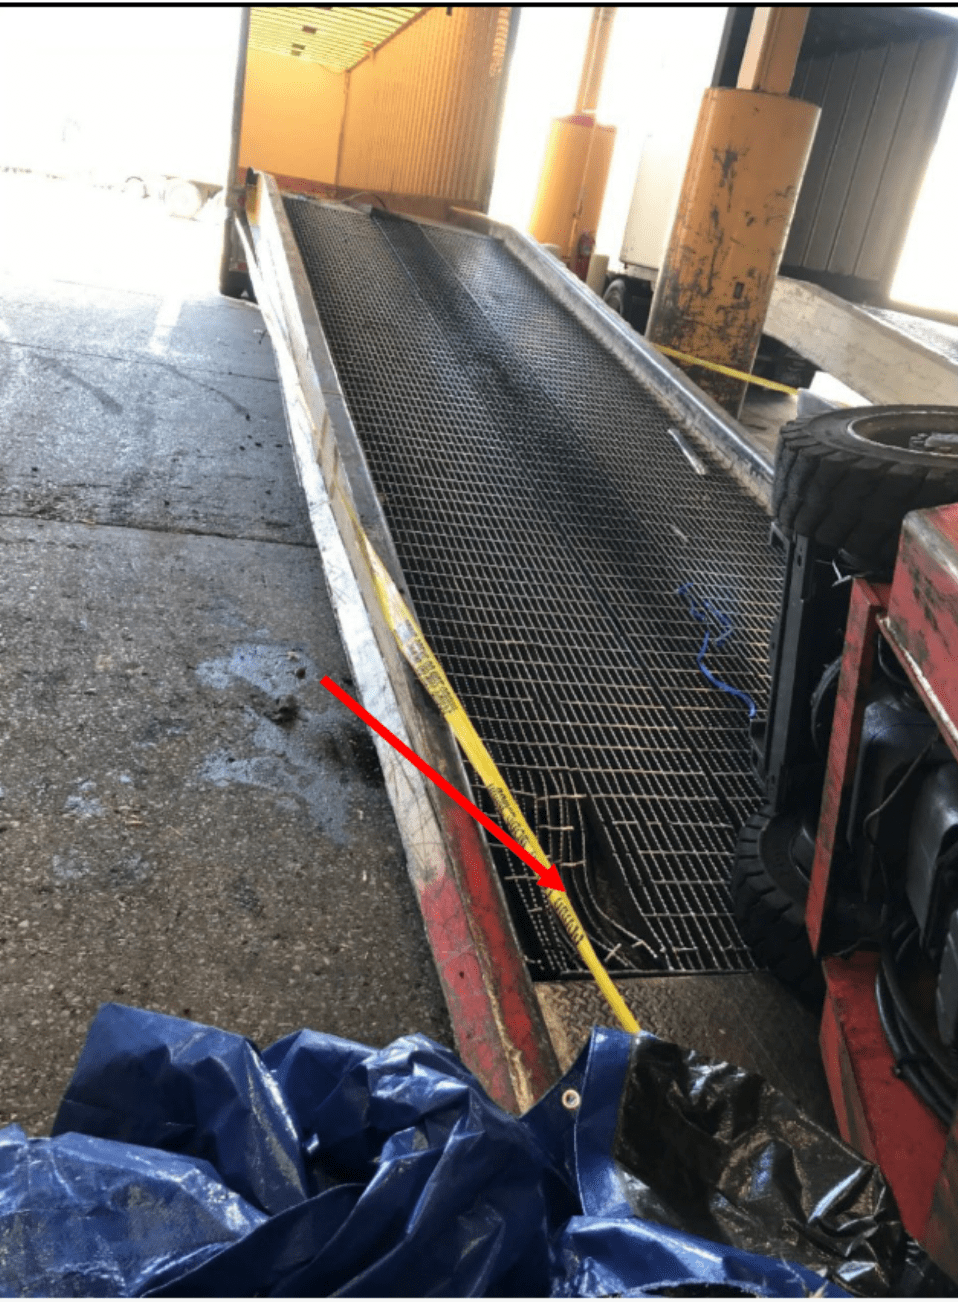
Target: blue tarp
186,1162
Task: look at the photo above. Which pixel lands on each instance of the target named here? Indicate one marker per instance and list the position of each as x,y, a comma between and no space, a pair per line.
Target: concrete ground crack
147,528
139,359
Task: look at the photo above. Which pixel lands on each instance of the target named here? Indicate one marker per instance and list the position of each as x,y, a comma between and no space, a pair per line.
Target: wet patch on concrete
70,867
83,804
265,895
274,669
309,759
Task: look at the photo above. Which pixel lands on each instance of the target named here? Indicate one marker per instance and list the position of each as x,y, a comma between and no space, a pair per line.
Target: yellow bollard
738,197
578,157
735,208
576,167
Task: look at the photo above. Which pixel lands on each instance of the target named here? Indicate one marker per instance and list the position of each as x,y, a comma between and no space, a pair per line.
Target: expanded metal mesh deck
545,519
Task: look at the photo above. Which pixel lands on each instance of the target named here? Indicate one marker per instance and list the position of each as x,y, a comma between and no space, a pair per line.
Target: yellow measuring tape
419,655
727,370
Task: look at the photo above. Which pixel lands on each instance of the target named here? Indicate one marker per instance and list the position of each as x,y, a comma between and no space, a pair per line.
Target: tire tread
771,918
853,501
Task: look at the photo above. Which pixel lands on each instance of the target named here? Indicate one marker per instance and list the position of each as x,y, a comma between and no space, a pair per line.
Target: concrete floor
188,822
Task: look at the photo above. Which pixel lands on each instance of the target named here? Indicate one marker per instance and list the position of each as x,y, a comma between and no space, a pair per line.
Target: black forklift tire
768,897
846,479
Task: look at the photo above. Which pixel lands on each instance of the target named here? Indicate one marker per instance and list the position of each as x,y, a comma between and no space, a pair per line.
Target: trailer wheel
630,299
847,478
769,891
182,199
234,284
614,296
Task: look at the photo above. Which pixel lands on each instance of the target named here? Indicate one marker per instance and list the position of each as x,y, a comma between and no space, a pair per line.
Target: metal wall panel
874,130
423,111
881,110
916,130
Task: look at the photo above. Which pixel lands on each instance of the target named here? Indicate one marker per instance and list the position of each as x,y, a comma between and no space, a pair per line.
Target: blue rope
701,613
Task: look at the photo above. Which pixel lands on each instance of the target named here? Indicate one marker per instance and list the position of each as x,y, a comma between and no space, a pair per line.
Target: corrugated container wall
292,116
416,121
881,110
421,110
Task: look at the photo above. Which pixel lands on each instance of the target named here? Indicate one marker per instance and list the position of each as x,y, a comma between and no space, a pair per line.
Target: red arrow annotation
548,875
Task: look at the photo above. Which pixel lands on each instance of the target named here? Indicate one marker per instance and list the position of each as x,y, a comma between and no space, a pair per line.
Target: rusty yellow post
741,184
578,156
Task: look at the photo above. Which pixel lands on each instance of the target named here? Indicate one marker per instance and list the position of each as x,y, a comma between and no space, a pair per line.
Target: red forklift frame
878,1113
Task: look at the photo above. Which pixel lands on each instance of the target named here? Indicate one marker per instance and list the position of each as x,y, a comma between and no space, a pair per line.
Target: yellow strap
420,656
727,370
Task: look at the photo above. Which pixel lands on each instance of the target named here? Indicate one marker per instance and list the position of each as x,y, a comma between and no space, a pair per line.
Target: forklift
845,882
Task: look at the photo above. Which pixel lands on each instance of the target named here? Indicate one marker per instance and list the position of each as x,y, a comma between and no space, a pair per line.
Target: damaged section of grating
545,521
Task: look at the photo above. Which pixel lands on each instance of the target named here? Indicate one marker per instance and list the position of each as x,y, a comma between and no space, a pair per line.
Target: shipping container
399,104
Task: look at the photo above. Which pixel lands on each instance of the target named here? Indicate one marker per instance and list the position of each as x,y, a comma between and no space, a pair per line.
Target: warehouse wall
292,116
422,111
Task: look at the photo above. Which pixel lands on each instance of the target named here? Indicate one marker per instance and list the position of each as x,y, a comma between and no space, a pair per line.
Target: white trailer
120,96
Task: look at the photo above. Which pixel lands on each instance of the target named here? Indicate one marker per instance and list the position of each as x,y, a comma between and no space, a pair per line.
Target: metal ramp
554,522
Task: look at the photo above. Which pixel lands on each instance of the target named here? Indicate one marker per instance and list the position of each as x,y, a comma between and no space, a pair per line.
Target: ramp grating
546,519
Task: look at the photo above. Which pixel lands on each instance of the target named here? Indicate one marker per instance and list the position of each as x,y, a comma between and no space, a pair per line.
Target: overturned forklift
846,880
